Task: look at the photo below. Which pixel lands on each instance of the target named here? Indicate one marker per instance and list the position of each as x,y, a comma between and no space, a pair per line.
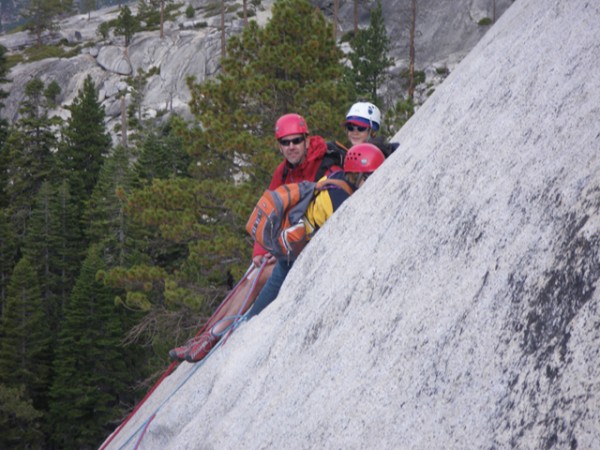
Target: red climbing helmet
363,158
290,124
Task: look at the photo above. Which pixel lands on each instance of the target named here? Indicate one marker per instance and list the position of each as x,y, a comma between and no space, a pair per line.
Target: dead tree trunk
411,57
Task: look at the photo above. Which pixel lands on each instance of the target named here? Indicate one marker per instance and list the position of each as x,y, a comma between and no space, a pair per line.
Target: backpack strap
334,156
320,186
324,184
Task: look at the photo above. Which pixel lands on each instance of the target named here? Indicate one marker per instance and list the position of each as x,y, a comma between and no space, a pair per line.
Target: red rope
174,364
167,372
137,445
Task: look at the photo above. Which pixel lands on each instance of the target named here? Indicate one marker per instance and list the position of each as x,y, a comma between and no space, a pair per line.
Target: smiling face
293,148
357,134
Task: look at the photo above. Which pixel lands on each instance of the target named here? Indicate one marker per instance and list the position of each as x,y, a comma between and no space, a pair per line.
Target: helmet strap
359,179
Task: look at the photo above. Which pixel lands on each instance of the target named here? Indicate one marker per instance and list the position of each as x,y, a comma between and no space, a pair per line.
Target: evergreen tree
25,355
19,420
52,243
87,6
30,145
90,365
290,65
162,154
67,252
151,252
4,130
41,16
127,24
152,12
105,210
369,57
8,254
86,143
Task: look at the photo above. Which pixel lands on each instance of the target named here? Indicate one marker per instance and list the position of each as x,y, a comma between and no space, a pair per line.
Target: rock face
451,302
446,30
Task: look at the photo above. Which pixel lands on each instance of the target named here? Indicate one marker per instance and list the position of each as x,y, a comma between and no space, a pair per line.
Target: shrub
190,12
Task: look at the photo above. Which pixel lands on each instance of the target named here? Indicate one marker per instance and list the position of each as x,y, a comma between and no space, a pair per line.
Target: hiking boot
201,347
178,353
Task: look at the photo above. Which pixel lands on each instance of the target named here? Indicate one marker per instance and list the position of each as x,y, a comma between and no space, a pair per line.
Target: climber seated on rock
304,158
362,125
360,162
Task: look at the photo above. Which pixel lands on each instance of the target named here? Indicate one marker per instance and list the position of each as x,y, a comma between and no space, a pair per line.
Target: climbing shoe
201,346
178,353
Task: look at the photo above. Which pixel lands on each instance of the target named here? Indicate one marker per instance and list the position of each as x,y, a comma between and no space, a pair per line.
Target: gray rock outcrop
196,51
452,302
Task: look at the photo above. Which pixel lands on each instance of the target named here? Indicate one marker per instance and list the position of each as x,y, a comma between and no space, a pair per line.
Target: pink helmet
363,158
290,124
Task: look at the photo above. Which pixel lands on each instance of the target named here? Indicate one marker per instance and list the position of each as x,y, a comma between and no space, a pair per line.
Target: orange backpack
278,210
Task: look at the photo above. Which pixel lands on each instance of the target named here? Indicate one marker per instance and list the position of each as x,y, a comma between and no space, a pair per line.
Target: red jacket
305,171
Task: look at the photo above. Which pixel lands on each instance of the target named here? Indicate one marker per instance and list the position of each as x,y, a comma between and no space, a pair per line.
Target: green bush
485,21
104,29
190,12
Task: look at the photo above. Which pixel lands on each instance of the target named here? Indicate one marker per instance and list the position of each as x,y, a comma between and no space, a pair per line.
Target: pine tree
25,354
87,6
31,145
150,251
127,24
162,154
8,254
86,143
41,15
4,130
52,243
369,57
290,65
105,210
19,420
91,368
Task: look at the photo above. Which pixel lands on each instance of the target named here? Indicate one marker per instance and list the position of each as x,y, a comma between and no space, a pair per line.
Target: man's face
293,148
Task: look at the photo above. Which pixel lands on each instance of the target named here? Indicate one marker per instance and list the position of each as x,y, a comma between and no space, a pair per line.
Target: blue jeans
271,288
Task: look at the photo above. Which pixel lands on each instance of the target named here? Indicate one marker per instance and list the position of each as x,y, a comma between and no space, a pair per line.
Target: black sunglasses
351,127
295,141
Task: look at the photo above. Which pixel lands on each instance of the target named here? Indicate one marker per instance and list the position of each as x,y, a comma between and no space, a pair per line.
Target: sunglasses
295,141
351,127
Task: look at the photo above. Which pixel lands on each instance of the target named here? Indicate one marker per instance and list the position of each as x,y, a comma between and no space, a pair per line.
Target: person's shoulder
337,175
277,178
386,147
336,147
317,147
337,182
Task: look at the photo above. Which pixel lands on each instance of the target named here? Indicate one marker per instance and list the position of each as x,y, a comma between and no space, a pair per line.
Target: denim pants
271,288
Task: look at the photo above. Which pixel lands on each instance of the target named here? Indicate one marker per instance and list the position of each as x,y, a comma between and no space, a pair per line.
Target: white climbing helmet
364,114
